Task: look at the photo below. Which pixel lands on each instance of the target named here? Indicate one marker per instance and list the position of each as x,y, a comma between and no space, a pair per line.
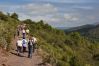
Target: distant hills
89,30
62,28
80,29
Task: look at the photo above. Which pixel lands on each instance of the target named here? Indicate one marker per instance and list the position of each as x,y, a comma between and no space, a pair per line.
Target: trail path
14,60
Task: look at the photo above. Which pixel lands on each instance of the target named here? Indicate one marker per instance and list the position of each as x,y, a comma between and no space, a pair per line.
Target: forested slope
56,47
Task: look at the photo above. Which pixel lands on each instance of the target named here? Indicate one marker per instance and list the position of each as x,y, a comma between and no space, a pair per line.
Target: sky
58,13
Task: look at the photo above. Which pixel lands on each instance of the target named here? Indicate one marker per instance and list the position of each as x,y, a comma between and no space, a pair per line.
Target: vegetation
56,47
90,31
60,49
7,30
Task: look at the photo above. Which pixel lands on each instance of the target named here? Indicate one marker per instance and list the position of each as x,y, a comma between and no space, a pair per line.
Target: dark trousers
19,49
34,47
24,49
30,51
18,33
23,35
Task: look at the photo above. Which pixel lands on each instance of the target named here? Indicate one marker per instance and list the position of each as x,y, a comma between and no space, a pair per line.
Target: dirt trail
14,60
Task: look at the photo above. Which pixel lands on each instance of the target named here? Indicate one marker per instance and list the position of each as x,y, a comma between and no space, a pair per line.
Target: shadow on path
17,54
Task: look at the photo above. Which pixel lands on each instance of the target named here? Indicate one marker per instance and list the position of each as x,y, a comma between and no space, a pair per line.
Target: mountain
96,23
80,28
94,32
62,28
89,30
53,45
62,49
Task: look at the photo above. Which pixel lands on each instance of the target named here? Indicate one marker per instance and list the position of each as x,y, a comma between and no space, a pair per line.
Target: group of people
22,29
23,43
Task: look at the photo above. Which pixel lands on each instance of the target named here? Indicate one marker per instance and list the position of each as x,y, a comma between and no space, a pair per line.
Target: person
27,31
34,43
24,25
24,44
19,46
18,32
30,47
14,35
21,27
23,33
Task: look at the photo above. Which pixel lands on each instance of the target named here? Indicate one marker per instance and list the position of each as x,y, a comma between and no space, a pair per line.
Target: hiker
18,32
24,26
14,35
21,27
24,33
30,47
27,31
19,46
34,43
24,45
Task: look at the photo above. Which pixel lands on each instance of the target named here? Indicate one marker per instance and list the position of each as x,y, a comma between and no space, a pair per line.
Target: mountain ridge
89,30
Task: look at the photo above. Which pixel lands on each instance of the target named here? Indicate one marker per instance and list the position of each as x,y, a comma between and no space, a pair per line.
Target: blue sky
58,13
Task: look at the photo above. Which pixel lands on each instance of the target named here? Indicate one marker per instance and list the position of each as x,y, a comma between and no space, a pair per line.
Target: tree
8,14
3,17
15,16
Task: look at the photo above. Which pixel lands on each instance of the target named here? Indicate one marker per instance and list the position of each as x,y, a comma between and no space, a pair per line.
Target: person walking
24,45
27,31
30,48
24,33
34,43
18,30
19,46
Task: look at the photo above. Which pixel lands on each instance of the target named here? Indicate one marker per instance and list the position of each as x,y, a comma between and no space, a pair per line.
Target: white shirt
19,43
34,39
23,31
24,44
27,30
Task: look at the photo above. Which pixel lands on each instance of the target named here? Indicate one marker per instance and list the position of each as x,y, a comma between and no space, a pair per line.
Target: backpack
23,42
30,43
27,31
34,40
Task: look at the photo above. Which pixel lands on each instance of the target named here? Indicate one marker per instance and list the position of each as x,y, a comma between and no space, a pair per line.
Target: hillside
81,29
54,46
94,33
8,26
91,31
